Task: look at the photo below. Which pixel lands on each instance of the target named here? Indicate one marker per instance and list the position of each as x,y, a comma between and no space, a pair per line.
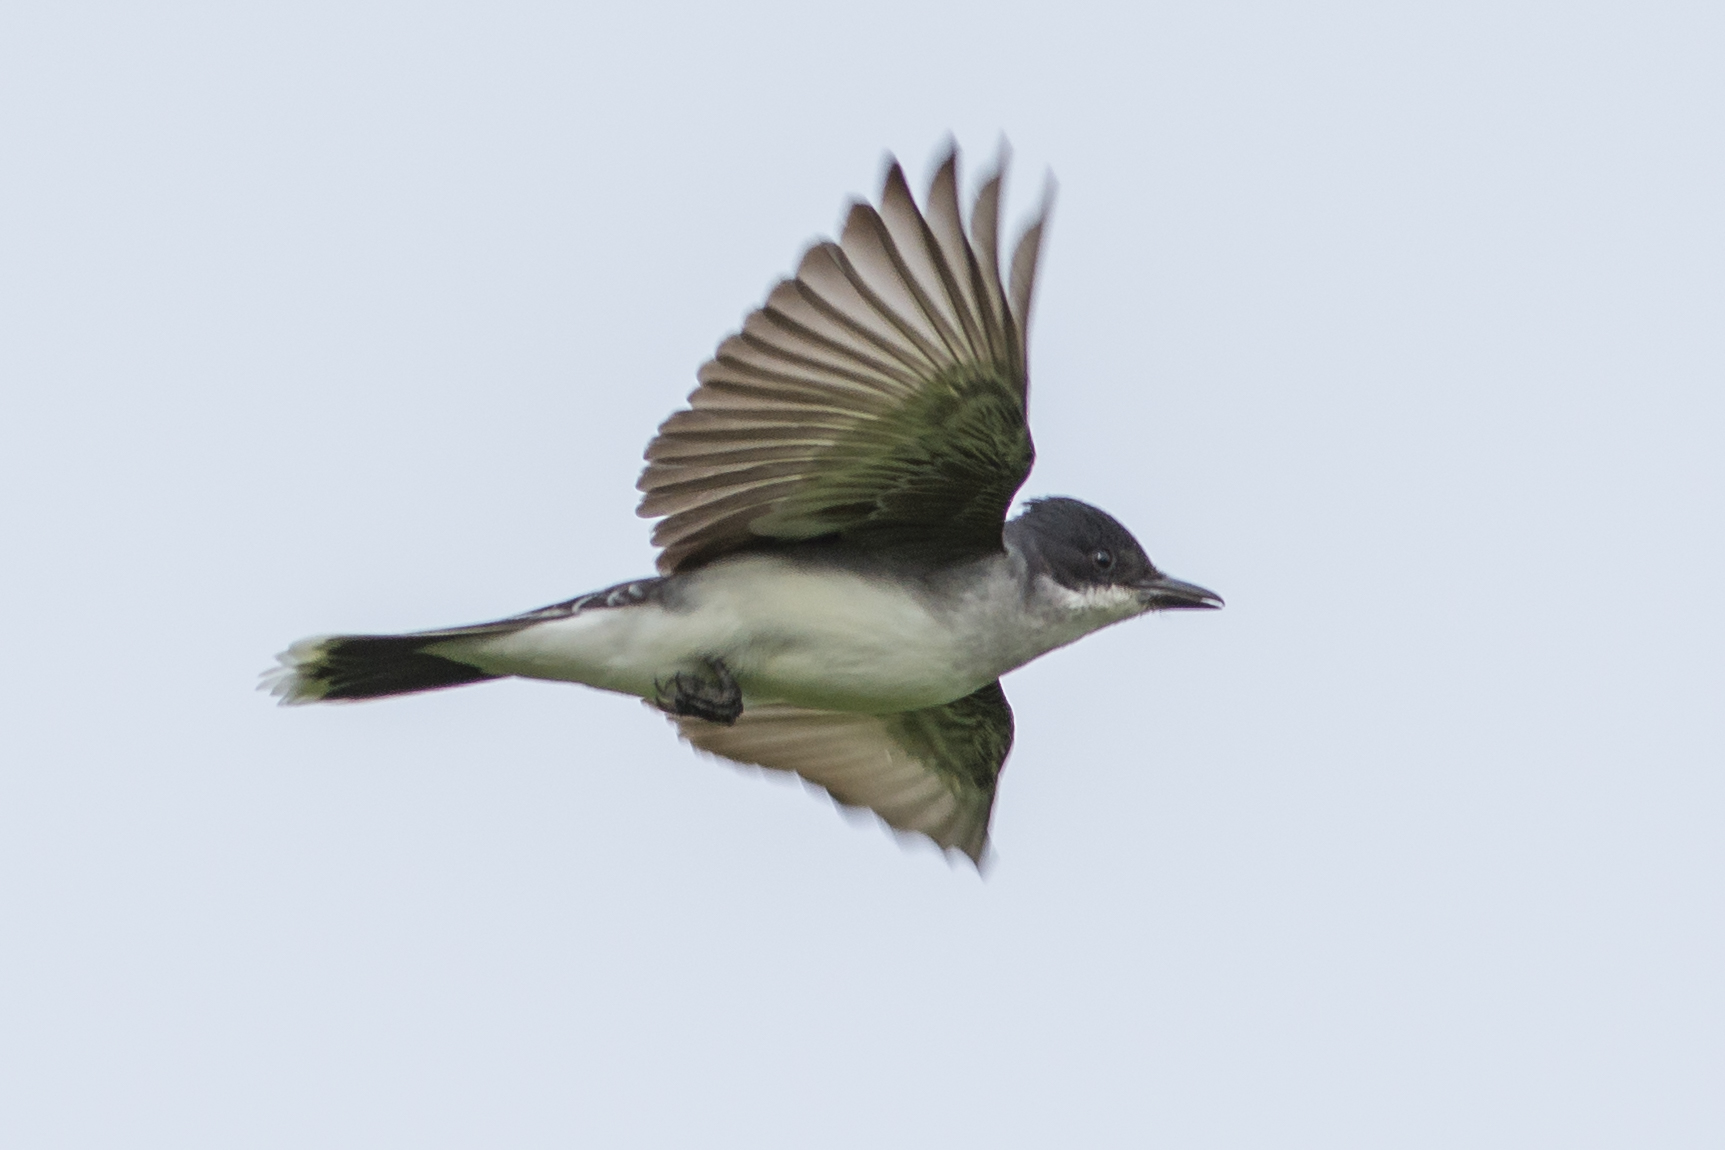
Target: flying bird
839,588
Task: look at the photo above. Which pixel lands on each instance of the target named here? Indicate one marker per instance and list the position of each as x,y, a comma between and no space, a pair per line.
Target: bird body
790,630
840,590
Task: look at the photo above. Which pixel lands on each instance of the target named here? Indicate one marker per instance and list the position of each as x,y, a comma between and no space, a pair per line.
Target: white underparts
808,636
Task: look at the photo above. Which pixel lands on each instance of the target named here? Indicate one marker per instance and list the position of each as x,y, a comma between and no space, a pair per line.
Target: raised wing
930,772
879,394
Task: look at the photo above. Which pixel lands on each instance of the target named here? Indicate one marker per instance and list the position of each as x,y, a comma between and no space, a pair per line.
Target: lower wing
930,772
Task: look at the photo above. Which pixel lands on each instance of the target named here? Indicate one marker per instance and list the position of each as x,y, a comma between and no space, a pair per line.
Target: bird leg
709,693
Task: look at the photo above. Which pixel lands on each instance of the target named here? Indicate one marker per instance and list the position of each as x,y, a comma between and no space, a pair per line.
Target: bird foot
711,693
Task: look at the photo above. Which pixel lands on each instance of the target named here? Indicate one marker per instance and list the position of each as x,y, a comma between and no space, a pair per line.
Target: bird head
1088,554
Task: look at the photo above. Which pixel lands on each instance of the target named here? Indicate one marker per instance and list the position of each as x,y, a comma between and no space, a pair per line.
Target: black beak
1160,593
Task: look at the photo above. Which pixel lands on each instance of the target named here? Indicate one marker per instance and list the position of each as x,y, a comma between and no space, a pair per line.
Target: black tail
346,667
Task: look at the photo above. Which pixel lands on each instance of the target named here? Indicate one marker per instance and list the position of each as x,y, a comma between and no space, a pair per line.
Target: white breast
816,637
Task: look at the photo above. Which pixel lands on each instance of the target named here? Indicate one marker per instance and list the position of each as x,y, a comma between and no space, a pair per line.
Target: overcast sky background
1400,325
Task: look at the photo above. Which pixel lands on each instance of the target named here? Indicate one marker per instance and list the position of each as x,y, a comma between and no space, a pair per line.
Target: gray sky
1399,325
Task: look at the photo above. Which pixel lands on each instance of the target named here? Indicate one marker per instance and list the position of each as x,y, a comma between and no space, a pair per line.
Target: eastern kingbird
839,589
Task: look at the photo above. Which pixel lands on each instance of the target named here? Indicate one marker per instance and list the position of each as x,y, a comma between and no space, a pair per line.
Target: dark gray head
1087,551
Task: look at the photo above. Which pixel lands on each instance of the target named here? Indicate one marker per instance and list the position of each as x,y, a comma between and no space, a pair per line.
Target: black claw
712,695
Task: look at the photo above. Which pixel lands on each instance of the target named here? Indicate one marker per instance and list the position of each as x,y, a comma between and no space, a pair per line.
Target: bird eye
1103,558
